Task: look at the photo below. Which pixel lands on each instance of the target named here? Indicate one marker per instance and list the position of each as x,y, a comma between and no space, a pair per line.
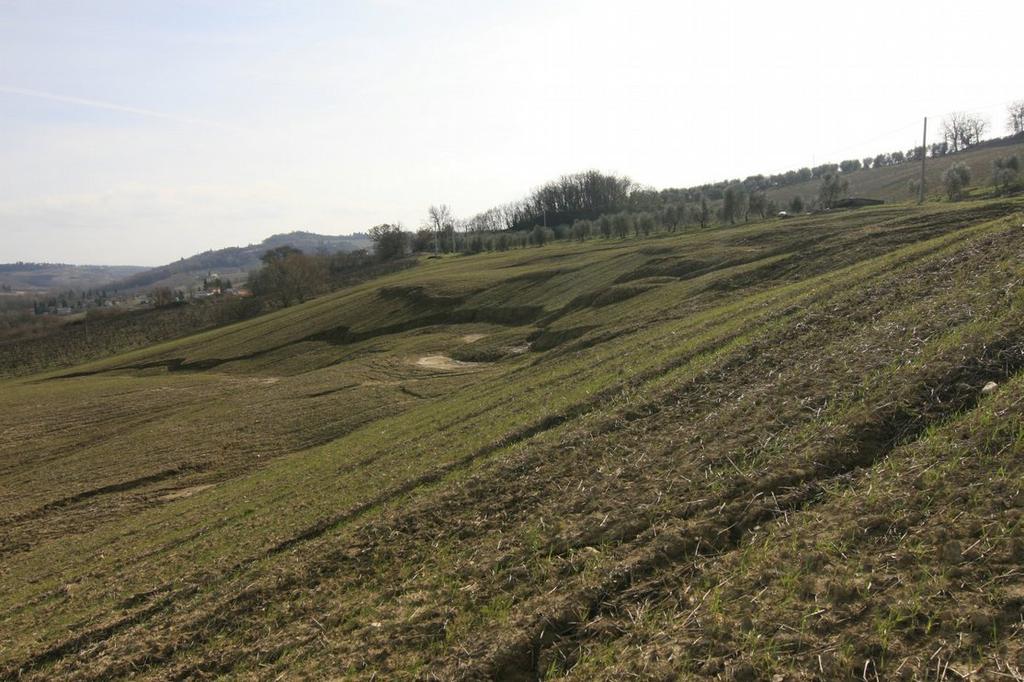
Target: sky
138,132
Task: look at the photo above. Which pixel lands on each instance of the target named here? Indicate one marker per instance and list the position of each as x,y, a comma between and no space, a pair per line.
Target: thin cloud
110,106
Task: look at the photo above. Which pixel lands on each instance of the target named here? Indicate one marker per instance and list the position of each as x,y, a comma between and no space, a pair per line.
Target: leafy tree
671,216
621,223
289,275
823,169
1005,172
733,203
581,230
539,235
475,243
423,240
796,204
833,187
850,165
956,179
758,203
705,211
866,162
645,223
605,225
389,241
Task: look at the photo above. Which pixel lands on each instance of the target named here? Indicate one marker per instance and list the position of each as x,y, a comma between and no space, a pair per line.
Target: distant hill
233,263
236,261
35,277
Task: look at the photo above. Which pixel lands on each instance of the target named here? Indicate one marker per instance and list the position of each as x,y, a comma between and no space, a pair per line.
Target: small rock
743,672
990,387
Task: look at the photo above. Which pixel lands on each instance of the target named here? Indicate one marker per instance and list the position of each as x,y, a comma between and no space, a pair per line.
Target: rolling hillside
749,451
891,183
235,262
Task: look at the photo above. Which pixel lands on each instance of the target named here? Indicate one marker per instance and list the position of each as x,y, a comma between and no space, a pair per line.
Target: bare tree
440,218
488,221
962,130
162,296
1015,120
977,126
954,129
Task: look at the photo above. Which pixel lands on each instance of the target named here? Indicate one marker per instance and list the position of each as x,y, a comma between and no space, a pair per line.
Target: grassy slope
892,182
747,450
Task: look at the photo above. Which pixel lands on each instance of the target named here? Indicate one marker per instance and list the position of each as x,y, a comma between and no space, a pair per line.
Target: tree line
592,204
288,275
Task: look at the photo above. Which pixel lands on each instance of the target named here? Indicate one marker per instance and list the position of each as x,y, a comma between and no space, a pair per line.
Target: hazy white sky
136,132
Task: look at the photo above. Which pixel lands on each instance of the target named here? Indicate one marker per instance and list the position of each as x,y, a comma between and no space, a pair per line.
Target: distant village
72,302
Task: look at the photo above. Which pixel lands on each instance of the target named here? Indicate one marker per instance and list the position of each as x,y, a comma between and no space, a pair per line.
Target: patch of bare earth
182,493
445,363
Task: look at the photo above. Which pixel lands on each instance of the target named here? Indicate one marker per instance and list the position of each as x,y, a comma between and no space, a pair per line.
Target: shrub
1005,172
955,180
622,222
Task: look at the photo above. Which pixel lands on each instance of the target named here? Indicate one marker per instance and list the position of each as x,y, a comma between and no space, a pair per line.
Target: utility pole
924,155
